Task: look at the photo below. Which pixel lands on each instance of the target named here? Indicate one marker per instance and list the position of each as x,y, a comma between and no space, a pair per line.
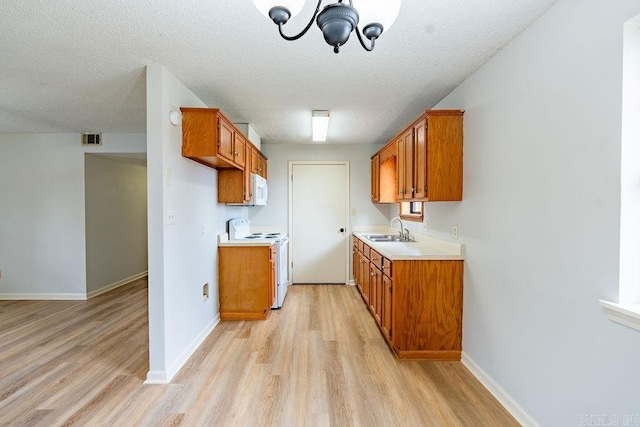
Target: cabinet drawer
376,259
365,251
386,267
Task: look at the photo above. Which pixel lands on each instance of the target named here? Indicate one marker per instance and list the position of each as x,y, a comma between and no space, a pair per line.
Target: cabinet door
356,266
444,156
255,159
408,151
239,148
365,278
225,142
247,173
386,305
376,292
272,279
262,171
375,178
400,167
420,139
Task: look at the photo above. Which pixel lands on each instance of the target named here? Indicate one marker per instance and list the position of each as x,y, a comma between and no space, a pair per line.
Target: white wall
541,213
42,217
181,259
630,167
116,220
358,155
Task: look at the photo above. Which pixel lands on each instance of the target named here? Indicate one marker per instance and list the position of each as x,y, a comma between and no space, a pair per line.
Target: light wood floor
318,361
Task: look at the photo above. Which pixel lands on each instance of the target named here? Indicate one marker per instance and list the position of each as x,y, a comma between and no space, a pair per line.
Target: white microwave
259,190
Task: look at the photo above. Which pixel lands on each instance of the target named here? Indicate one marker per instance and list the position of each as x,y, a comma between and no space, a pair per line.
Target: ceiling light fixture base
372,31
279,15
337,21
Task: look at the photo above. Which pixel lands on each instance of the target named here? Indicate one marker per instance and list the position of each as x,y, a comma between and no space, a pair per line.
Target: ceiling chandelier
336,20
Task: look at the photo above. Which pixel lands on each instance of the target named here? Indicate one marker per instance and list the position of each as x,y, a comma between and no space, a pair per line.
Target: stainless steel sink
386,238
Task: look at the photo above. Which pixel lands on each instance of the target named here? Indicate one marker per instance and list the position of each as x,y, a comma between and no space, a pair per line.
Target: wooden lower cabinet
247,281
356,266
417,304
427,309
387,307
365,276
375,285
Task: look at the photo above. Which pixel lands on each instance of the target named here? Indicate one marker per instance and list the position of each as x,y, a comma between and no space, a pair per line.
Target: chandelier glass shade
337,20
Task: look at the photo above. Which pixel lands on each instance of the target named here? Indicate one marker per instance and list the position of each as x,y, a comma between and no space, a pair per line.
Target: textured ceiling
79,65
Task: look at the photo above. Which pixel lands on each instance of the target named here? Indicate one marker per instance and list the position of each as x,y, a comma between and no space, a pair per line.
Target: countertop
424,248
223,240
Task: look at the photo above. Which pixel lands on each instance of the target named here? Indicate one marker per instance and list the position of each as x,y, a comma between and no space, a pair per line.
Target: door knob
342,230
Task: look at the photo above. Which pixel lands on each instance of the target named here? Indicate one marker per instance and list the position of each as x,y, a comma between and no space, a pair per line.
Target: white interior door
319,215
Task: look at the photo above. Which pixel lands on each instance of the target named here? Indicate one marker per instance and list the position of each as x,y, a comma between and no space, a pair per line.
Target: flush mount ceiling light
337,20
320,125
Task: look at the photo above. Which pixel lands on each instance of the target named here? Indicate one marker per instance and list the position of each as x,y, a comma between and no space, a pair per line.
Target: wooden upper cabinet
227,139
258,163
420,144
255,160
407,158
428,163
249,148
263,167
239,149
400,165
207,137
210,138
444,155
375,178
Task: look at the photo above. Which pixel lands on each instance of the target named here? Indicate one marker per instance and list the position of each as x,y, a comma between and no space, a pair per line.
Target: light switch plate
171,217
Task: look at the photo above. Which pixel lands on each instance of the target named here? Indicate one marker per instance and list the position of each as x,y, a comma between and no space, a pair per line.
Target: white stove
239,229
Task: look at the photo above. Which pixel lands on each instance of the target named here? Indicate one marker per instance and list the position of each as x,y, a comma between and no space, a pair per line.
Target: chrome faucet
402,229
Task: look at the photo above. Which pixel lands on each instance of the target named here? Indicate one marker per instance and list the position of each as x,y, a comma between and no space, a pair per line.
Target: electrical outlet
455,231
426,225
171,217
202,230
205,292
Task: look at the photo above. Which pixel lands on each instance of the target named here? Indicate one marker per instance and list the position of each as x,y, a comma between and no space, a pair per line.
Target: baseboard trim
117,284
498,392
165,377
156,377
73,297
351,282
69,297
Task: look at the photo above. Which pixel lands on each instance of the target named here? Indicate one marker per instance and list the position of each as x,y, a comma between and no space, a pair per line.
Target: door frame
347,217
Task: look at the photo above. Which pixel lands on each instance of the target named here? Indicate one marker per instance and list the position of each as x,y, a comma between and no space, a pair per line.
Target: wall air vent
91,139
